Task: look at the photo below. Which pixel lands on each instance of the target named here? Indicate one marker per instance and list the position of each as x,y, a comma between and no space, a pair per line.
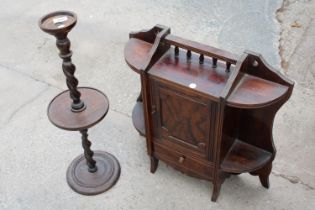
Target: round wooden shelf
60,114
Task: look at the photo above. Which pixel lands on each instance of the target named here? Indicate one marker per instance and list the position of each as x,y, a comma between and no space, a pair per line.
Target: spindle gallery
78,109
202,110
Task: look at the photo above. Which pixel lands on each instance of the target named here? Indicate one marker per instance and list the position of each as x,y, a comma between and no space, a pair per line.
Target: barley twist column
63,44
88,153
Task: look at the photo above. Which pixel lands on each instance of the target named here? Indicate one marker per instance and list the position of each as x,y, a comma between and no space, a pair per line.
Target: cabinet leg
264,175
154,164
140,96
216,191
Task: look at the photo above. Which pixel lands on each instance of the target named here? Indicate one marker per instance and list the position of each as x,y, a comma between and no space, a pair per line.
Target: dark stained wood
218,120
201,78
86,183
78,109
177,125
201,58
135,53
263,174
255,92
147,35
184,163
60,114
209,114
88,153
157,50
59,22
244,157
138,118
154,164
201,48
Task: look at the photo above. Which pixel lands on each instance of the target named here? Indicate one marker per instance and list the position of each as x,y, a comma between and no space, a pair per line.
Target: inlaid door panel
183,119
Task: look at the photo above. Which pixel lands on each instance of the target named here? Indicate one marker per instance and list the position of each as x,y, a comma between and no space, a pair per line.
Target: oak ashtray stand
90,173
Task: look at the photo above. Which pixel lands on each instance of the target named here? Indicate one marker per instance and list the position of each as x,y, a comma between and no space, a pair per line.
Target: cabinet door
182,119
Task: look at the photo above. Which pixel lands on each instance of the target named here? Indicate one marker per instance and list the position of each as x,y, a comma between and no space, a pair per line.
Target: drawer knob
181,159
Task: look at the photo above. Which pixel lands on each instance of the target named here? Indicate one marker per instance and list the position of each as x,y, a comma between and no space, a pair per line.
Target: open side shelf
243,157
138,118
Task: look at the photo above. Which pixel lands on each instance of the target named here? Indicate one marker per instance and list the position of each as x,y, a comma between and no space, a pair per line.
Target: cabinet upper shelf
246,83
252,91
136,51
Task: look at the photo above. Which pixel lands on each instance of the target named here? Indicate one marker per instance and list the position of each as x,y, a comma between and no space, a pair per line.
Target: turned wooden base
84,182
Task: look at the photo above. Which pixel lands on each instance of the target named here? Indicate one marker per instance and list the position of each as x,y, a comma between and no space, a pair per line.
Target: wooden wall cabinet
202,110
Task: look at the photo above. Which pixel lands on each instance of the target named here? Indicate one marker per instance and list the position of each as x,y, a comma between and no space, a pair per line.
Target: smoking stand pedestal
78,109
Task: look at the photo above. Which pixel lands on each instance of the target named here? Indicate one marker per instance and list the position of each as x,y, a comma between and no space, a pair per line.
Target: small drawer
184,163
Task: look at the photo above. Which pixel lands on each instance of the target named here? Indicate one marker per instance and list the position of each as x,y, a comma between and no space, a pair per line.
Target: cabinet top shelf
136,52
253,91
245,83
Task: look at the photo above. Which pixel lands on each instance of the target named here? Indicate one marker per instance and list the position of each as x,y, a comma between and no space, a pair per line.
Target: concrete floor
35,154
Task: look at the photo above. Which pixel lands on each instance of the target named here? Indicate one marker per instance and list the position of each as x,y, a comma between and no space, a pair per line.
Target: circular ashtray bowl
58,22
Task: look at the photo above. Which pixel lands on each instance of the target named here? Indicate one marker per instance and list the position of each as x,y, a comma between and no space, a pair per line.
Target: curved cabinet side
255,126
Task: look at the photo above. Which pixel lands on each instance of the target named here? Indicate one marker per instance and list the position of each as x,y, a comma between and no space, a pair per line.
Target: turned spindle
201,58
63,44
214,62
188,54
176,51
228,66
